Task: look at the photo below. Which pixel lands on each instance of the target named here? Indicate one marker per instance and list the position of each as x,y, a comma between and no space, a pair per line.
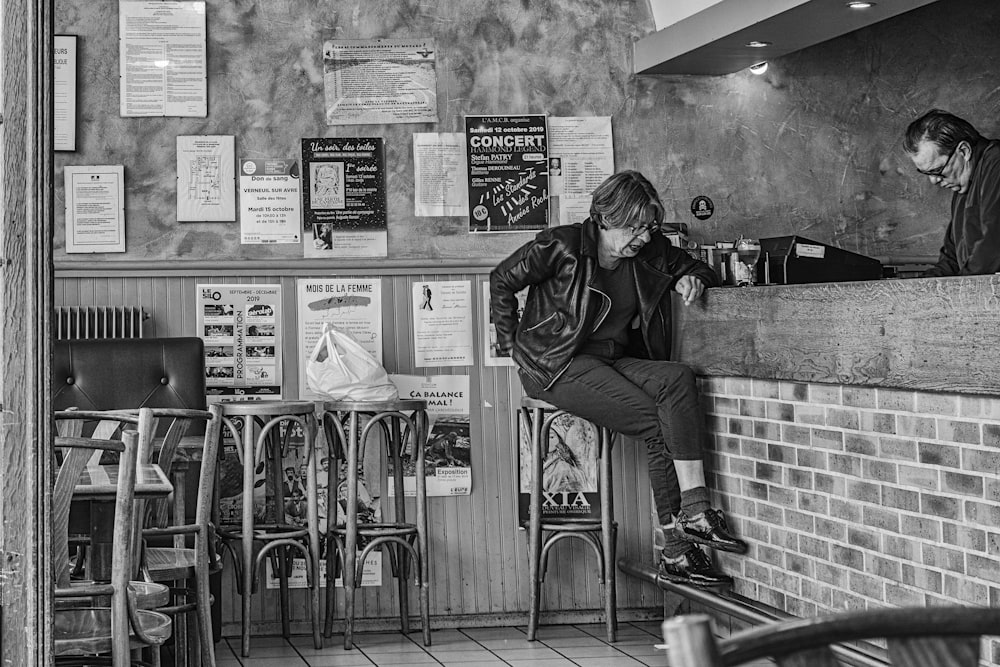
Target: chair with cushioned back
82,625
914,637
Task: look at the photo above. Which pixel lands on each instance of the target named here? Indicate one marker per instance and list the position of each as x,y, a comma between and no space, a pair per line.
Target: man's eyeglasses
939,172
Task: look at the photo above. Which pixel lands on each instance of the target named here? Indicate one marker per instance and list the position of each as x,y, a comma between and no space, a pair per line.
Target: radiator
80,322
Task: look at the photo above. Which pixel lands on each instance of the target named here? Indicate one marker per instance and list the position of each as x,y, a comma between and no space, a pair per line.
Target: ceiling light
860,4
758,45
759,68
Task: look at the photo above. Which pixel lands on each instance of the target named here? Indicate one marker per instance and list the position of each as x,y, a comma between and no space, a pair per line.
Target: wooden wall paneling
478,555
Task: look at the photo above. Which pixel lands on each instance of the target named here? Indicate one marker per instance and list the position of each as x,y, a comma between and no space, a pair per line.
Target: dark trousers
653,401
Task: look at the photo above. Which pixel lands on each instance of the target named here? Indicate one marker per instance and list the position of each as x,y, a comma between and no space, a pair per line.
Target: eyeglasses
638,230
939,172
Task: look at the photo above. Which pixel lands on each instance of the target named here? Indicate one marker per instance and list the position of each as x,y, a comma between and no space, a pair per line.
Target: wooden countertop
935,334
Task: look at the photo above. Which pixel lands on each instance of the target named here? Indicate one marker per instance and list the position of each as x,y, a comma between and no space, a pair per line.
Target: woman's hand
690,288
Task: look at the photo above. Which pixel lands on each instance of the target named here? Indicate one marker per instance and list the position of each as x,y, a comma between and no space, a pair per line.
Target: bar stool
400,422
601,534
258,540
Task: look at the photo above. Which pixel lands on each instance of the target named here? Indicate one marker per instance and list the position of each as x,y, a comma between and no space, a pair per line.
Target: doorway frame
26,289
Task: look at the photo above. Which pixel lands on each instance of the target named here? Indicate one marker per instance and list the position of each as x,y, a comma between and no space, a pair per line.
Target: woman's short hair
624,198
940,127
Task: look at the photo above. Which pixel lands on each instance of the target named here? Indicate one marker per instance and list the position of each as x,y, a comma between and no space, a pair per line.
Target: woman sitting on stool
594,340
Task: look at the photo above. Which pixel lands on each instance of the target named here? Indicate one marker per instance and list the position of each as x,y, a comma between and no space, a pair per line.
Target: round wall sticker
702,207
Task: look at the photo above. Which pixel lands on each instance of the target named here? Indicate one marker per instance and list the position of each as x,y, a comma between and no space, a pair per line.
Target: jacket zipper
606,307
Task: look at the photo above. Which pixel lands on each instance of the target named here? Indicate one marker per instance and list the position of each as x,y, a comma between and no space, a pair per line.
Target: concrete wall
810,147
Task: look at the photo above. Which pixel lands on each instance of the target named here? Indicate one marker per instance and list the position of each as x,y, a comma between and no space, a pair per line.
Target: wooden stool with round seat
601,533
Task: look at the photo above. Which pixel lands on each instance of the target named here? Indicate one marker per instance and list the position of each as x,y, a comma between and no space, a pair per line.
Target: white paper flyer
162,58
269,201
442,323
380,81
95,209
206,179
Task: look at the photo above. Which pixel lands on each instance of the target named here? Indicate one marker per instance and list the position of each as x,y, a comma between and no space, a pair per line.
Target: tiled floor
557,646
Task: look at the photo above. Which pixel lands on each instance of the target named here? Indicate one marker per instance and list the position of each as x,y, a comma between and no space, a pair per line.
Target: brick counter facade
855,497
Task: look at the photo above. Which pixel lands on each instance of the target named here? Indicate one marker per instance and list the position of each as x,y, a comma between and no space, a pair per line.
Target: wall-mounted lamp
860,4
759,68
758,45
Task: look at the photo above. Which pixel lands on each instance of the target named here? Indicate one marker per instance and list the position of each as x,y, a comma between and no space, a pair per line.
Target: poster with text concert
508,173
343,197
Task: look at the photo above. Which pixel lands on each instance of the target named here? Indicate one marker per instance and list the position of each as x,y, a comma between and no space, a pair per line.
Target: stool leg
351,538
535,521
249,464
282,567
608,537
332,508
422,541
402,557
312,510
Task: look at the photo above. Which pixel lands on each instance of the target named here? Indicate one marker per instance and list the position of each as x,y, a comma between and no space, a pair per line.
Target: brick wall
855,497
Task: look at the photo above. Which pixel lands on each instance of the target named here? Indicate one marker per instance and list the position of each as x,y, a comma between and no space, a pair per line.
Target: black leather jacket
563,309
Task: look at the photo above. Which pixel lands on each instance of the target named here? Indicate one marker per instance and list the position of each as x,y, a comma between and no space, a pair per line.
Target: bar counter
854,439
932,334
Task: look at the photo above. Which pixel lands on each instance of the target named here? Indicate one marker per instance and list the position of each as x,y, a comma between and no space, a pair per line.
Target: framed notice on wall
162,58
508,173
64,93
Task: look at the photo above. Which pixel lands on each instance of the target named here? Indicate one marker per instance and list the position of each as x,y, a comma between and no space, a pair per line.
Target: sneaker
708,528
694,568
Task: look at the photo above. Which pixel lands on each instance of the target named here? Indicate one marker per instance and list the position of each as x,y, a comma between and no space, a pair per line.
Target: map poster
569,471
241,327
343,197
508,173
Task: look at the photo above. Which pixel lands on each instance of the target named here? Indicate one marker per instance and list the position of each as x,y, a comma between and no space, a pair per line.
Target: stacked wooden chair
102,617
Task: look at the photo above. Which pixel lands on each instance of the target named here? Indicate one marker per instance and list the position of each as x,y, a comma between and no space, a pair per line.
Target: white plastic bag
341,370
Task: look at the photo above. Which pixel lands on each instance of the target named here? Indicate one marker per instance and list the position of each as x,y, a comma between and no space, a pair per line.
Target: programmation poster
380,81
448,451
353,305
508,173
343,197
569,471
241,327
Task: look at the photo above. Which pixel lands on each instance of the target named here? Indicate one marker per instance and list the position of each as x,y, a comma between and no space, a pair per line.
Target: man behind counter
951,152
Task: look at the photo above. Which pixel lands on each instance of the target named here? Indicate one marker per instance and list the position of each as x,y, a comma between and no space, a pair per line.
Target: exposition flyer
508,173
343,197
